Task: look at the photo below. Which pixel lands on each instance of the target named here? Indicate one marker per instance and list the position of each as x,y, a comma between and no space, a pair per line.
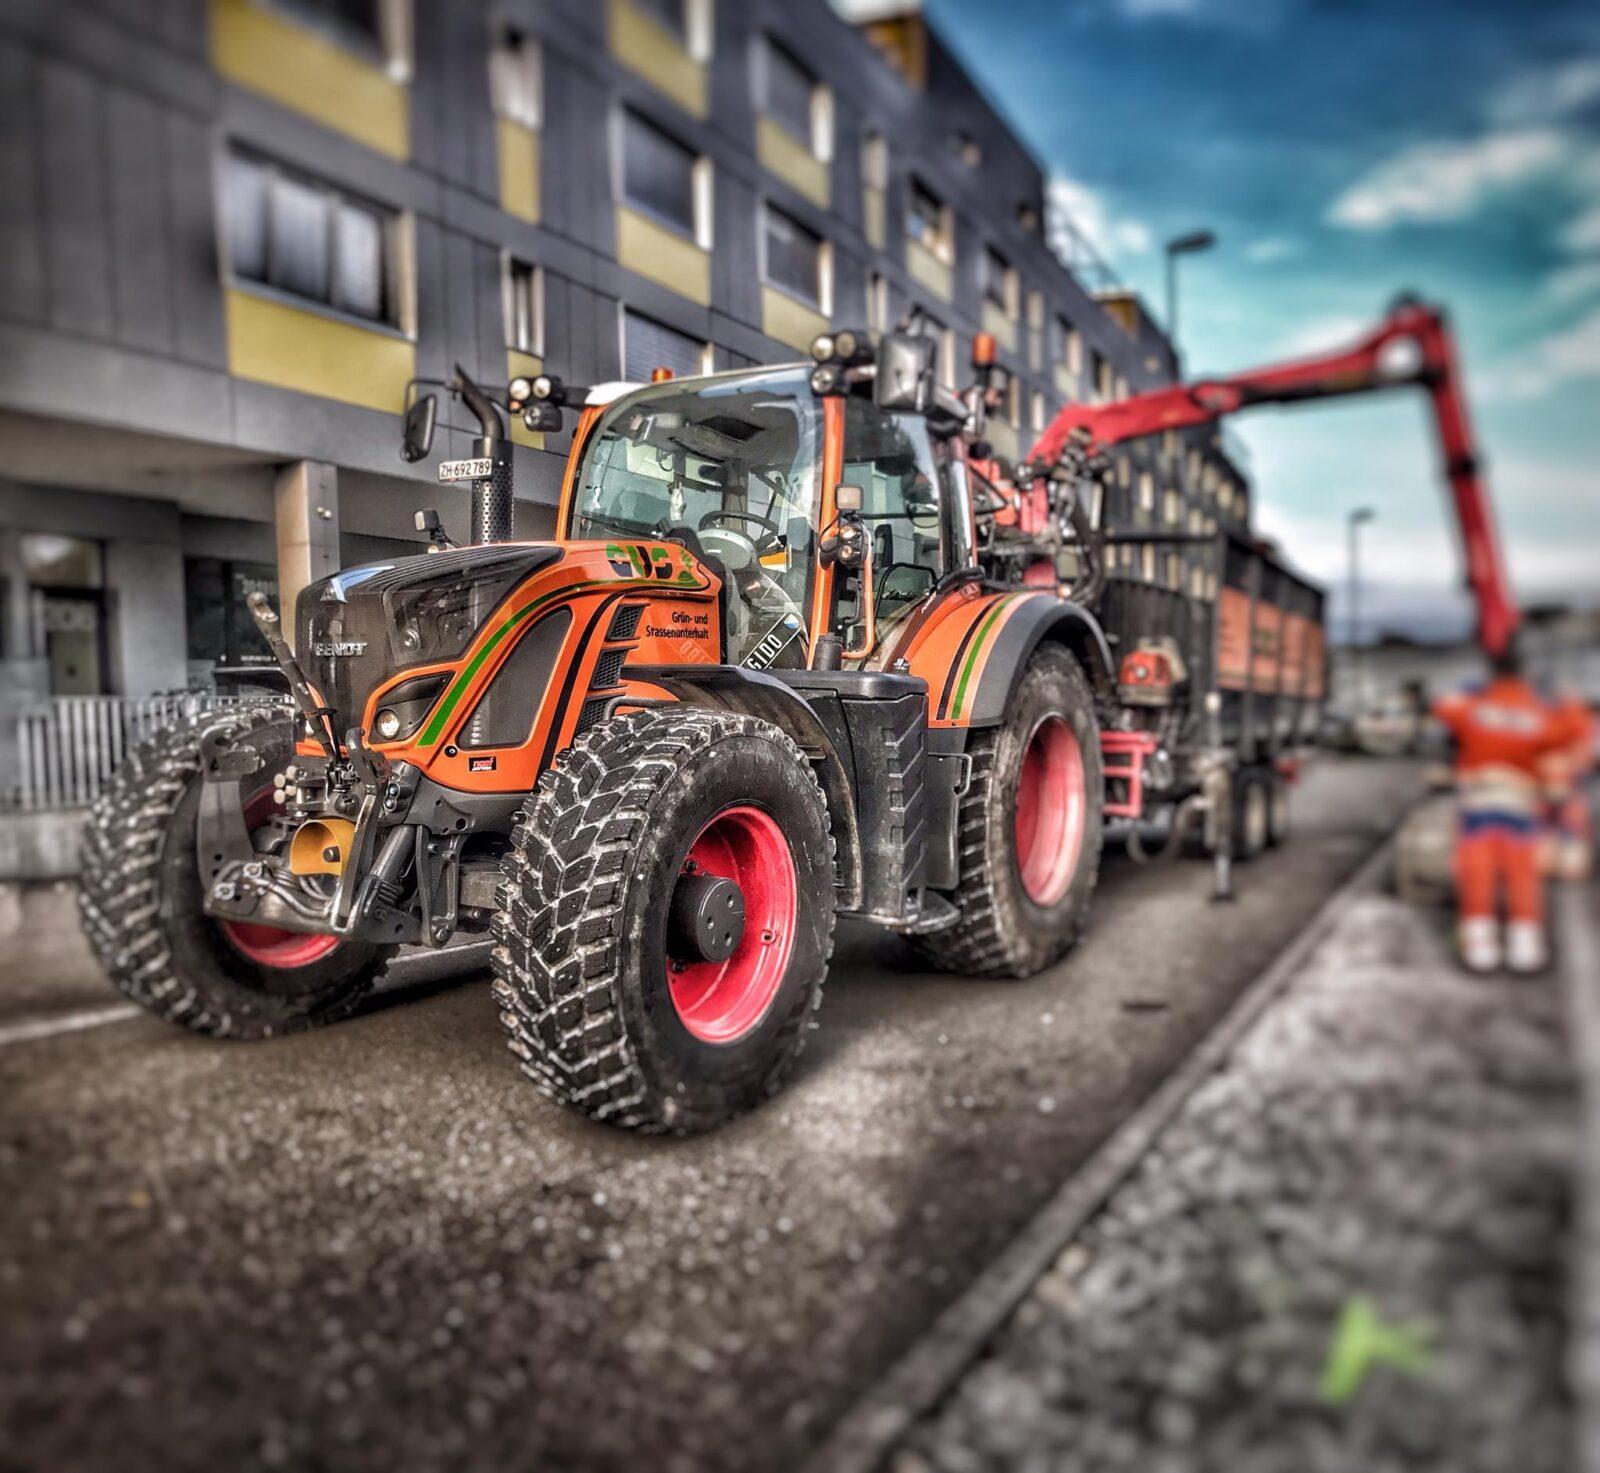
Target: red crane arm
1412,346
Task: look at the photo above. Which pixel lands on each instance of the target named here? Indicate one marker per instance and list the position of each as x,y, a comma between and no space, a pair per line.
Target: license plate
466,470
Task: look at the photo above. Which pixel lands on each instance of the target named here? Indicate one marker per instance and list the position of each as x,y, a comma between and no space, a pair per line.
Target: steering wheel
773,540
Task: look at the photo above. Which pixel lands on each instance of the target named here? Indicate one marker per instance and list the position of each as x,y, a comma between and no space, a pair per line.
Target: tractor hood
362,625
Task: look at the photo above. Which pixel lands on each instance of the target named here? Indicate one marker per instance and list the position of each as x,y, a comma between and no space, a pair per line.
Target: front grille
592,714
608,670
624,623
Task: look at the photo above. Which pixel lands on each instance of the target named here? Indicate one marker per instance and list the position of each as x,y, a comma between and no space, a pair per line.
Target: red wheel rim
270,946
1051,805
720,1002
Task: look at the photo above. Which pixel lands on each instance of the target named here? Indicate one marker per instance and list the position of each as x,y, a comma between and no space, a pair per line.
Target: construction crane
1413,346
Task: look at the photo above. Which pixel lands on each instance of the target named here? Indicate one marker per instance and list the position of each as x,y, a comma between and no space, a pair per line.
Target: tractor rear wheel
1030,828
666,919
140,899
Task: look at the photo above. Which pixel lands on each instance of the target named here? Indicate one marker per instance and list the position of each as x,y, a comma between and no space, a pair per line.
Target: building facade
233,231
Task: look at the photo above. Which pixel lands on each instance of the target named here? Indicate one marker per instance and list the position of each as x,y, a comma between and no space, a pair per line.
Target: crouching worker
1504,733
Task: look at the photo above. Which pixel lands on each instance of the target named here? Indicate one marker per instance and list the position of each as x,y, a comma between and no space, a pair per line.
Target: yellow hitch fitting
321,846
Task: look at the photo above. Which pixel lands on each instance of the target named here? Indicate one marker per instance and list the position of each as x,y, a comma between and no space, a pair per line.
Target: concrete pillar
306,509
145,639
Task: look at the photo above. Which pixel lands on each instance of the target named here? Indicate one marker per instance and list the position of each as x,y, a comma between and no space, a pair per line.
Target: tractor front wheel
141,900
666,919
1030,828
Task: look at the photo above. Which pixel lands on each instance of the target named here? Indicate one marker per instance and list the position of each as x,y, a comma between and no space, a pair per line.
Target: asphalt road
377,1247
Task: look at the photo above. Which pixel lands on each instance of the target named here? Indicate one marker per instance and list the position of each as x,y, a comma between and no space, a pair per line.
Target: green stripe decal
452,697
977,646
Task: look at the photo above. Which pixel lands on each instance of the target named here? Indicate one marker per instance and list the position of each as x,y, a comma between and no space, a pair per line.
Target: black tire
1252,815
1003,932
1279,821
581,965
140,899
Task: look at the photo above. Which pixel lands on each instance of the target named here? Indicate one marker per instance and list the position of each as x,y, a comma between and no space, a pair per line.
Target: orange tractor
773,668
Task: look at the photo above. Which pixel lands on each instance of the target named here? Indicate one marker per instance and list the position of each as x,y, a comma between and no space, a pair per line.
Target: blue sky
1344,150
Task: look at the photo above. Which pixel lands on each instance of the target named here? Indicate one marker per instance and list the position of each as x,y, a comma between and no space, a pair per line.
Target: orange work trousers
1496,859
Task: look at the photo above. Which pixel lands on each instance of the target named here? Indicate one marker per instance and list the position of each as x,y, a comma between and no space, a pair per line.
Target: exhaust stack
492,502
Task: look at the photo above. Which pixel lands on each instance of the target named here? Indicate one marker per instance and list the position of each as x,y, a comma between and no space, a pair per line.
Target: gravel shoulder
1388,1150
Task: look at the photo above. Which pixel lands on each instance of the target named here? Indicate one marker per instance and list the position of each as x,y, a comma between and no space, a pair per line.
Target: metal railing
68,746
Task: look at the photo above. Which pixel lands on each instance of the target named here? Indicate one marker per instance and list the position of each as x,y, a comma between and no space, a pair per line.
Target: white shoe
1478,940
1525,947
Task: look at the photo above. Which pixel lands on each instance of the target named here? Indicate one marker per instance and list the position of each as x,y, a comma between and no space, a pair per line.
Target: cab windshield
731,468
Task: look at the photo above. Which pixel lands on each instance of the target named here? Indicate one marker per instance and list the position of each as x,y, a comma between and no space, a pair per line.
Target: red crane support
1412,346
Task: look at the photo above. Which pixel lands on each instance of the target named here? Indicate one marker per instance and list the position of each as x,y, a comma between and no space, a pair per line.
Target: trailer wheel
140,900
666,919
1030,829
1252,819
1278,822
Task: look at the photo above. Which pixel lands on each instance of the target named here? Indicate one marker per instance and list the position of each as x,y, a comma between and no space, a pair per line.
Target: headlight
822,347
406,706
520,391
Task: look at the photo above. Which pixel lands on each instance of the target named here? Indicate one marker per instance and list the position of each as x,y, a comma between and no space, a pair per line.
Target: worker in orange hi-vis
1569,828
1504,734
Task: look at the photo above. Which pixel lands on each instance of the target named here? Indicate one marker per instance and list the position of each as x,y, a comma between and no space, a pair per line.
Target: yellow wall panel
873,214
789,321
1002,326
644,46
275,343
927,269
301,71
519,170
529,367
784,155
1066,382
663,255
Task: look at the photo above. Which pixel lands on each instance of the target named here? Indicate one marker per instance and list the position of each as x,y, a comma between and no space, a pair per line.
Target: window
706,458
795,258
1101,370
661,177
1040,415
928,222
1122,387
877,301
875,161
890,457
1147,491
220,630
516,79
999,282
671,15
524,306
1036,311
1147,561
1174,571
969,150
1069,346
298,235
648,345
795,101
356,24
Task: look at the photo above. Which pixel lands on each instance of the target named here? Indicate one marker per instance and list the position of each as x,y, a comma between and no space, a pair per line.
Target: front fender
1034,619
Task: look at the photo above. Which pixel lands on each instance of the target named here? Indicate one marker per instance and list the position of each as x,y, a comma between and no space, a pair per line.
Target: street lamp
1181,245
1356,519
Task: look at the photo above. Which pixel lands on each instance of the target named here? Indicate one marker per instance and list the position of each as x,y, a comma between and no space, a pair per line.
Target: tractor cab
822,515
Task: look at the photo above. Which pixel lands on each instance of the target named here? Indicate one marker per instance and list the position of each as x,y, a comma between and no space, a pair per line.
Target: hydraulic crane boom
1412,346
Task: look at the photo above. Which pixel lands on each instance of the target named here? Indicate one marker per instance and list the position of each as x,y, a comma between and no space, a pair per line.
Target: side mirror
904,381
416,439
542,417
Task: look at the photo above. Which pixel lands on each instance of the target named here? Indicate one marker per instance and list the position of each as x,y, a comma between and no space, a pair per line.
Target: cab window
890,457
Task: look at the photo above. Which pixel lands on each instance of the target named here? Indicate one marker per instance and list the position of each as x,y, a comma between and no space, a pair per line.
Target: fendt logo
335,648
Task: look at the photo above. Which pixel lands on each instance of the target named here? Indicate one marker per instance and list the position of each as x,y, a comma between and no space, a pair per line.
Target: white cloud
1548,93
1232,15
1573,283
1322,335
1071,204
1569,356
1271,248
1582,234
1435,182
